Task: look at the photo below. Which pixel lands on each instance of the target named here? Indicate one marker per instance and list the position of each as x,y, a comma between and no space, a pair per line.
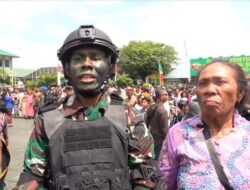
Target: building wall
5,62
35,74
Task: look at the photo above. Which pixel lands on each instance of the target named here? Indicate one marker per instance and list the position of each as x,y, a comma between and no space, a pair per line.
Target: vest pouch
120,181
78,182
61,183
102,180
91,155
90,183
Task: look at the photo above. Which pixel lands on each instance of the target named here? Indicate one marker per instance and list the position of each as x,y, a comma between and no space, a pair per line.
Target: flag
161,73
116,68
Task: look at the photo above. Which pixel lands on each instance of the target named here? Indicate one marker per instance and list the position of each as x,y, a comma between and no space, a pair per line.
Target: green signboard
243,61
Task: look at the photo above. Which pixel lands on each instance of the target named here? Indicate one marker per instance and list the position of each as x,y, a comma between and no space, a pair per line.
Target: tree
48,79
154,79
140,59
124,80
45,79
29,83
4,77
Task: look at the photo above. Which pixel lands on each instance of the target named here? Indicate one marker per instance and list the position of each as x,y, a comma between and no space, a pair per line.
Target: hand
32,185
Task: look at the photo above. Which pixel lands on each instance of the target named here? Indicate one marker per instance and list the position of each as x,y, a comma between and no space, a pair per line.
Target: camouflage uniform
36,163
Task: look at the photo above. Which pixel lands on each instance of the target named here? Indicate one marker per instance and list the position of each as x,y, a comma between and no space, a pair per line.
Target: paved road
18,135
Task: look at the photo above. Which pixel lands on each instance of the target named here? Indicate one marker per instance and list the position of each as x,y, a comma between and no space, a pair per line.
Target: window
1,63
7,63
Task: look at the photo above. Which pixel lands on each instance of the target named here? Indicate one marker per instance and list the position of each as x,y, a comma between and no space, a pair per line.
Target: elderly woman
211,150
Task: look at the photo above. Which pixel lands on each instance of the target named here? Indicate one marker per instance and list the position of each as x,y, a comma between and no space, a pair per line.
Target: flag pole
187,61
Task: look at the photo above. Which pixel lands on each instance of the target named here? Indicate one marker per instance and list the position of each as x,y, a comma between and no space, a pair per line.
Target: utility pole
187,60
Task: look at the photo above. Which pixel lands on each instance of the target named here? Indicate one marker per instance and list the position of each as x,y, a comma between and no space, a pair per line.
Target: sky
34,30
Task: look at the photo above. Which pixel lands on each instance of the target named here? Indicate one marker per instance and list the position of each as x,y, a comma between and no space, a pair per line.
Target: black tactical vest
88,155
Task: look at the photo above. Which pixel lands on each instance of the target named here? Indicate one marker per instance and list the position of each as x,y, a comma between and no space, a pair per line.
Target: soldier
90,144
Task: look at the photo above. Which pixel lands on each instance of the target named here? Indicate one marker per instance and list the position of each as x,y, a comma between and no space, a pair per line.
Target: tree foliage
124,80
140,59
45,79
4,77
48,79
29,83
154,79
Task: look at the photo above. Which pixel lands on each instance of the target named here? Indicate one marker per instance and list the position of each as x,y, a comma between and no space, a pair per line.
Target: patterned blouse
185,161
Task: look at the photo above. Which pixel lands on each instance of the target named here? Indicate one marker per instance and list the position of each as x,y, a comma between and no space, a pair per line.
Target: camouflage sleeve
35,166
141,153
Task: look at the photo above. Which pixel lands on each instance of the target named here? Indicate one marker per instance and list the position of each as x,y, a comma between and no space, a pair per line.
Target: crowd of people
25,102
94,135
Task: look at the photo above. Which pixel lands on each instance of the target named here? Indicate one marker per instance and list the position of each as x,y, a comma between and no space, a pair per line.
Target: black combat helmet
87,35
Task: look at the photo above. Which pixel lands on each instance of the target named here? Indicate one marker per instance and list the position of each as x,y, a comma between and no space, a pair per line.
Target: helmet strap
95,92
